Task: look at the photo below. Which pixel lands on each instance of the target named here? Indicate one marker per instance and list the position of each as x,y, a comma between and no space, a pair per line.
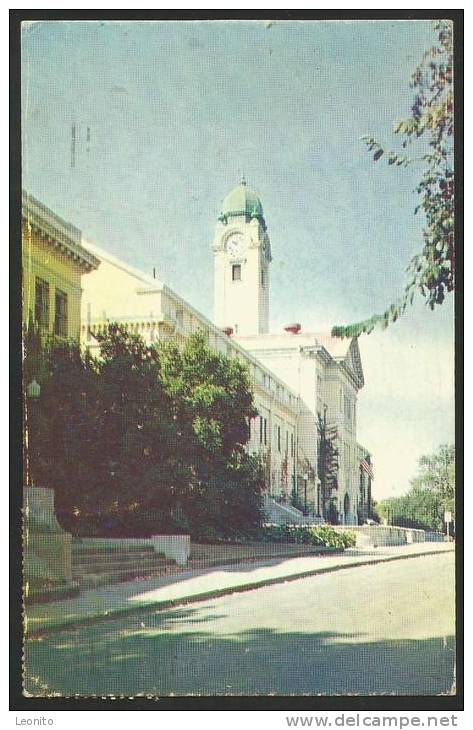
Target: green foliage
146,439
432,271
229,504
432,492
211,398
319,535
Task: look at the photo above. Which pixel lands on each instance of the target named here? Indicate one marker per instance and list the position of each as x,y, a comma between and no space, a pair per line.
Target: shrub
320,535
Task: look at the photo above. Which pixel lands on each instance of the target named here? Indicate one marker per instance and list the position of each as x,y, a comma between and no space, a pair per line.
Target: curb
216,593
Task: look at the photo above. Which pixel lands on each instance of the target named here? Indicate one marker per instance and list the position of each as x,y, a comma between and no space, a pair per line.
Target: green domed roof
242,201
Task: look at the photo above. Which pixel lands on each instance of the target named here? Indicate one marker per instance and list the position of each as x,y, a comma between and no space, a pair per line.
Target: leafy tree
212,402
146,438
437,475
432,492
104,437
327,464
432,271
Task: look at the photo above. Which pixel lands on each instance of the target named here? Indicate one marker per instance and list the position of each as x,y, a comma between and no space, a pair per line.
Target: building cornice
57,232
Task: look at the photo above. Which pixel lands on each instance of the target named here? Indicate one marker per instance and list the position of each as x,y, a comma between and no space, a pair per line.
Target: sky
168,115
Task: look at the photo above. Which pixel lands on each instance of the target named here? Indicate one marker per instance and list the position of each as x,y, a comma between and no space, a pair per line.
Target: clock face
236,245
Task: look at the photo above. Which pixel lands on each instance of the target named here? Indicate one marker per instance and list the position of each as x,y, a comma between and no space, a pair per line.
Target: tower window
236,272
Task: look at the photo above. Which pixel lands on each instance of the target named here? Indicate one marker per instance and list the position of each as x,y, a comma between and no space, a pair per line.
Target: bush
320,535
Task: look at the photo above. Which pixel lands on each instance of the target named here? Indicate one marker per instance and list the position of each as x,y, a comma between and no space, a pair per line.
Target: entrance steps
94,566
285,514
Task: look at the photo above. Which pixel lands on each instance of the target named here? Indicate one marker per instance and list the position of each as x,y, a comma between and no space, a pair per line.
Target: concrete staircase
285,514
94,566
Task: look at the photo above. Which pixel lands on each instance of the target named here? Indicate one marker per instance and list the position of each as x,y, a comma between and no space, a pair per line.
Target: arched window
346,505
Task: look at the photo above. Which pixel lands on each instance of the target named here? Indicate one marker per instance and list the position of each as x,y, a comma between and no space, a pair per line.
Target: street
380,629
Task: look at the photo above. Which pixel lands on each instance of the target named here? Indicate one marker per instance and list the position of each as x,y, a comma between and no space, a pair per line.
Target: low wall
47,548
218,552
383,535
175,547
435,537
47,557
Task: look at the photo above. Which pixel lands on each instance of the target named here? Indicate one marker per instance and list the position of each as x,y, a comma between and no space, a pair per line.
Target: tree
212,402
327,464
437,475
105,435
146,438
432,271
432,492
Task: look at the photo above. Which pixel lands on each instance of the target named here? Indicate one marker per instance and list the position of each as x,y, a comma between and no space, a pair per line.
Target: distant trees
432,271
432,492
146,438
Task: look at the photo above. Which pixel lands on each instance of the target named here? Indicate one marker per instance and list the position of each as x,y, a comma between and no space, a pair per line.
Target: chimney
293,329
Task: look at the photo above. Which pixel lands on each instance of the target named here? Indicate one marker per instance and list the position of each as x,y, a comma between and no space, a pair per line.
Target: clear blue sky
177,110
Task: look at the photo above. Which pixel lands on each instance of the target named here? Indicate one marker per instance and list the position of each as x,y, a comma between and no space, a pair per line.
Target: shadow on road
160,654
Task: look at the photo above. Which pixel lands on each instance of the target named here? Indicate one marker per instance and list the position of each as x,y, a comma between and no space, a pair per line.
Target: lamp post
33,392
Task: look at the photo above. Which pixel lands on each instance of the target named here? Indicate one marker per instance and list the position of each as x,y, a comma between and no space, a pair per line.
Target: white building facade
145,306
297,376
324,372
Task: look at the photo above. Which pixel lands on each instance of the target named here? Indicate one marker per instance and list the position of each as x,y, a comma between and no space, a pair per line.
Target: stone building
297,375
53,262
117,292
324,372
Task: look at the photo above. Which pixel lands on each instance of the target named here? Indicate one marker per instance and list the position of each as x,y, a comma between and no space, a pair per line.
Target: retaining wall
383,535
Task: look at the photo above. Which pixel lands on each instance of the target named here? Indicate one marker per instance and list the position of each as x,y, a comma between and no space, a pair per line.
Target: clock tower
242,254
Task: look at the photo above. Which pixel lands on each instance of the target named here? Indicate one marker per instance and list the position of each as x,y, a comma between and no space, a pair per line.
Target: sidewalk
196,585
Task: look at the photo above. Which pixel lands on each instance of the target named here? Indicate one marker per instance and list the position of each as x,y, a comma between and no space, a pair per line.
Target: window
261,419
236,272
41,309
262,277
278,437
60,314
265,431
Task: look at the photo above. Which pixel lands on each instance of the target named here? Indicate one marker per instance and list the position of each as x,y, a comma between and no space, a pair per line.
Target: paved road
368,630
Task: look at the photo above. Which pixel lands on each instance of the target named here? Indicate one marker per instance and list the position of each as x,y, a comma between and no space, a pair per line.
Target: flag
367,468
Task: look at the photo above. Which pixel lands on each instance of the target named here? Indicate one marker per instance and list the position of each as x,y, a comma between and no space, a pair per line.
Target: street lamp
33,390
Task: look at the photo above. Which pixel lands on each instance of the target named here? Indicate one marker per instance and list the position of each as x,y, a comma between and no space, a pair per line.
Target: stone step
95,580
86,549
109,566
98,557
